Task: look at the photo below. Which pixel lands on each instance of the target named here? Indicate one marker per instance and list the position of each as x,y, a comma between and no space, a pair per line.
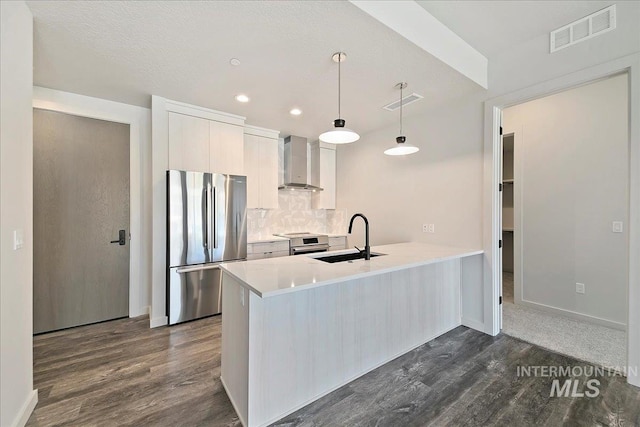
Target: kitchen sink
345,257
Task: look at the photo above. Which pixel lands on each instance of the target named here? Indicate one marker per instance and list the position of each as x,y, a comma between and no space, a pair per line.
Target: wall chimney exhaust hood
298,160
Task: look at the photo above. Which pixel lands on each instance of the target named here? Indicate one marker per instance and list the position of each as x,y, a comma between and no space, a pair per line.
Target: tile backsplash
294,214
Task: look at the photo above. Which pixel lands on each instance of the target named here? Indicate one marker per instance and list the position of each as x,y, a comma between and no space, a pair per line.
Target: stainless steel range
306,243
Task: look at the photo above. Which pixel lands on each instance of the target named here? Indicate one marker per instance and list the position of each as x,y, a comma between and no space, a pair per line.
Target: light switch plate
617,227
18,239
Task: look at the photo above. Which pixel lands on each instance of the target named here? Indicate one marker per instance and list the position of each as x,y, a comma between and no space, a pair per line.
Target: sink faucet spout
367,248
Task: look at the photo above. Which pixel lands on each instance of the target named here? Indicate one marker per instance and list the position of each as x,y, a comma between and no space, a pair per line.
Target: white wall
139,121
443,183
573,150
438,185
16,190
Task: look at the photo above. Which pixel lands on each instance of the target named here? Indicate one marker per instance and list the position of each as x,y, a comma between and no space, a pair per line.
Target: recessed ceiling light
234,61
295,111
242,98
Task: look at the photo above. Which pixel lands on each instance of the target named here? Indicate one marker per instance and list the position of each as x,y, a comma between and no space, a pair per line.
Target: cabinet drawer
263,255
266,247
339,242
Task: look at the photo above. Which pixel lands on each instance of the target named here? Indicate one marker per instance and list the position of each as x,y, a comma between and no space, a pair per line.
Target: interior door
80,220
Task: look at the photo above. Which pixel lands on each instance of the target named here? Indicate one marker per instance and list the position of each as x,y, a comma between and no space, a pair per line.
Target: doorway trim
139,121
491,228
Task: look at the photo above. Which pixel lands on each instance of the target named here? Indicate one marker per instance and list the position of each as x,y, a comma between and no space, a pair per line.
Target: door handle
122,239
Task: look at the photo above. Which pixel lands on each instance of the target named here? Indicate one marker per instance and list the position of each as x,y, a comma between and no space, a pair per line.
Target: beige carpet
584,341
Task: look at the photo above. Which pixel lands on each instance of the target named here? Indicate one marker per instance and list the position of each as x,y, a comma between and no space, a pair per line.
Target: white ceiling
493,26
127,51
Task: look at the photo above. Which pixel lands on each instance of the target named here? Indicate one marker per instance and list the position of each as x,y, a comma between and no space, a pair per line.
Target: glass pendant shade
339,134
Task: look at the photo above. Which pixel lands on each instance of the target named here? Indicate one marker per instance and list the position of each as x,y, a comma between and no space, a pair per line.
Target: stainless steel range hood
298,160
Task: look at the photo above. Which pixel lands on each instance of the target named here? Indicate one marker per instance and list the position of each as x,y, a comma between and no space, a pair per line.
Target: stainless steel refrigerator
206,225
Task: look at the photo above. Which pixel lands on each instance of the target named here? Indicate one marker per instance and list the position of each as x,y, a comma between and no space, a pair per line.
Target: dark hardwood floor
121,373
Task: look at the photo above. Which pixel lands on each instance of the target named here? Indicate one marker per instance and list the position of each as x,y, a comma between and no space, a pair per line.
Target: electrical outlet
425,228
432,228
616,226
580,288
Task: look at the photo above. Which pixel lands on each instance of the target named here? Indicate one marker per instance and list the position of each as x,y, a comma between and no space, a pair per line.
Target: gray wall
573,150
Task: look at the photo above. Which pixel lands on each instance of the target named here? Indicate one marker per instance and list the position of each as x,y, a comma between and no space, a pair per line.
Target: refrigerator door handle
215,219
205,240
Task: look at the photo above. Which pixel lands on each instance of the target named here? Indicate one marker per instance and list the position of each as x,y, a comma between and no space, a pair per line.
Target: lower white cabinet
261,250
337,243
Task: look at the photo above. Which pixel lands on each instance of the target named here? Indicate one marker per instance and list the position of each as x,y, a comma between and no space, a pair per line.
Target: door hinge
500,300
500,130
500,243
499,187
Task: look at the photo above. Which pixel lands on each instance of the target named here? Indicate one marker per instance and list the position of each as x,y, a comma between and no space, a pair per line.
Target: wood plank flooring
121,373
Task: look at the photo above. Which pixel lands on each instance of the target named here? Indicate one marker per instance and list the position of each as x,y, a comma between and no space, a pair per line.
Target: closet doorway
565,219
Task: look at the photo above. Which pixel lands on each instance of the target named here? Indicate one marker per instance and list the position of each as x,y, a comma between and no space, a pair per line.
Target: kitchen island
296,328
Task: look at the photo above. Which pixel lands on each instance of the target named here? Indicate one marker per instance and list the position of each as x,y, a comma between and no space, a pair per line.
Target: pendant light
401,148
339,134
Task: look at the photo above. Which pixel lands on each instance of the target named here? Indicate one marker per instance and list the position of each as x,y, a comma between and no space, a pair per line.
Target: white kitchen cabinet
326,172
188,143
337,243
260,250
202,145
261,167
226,148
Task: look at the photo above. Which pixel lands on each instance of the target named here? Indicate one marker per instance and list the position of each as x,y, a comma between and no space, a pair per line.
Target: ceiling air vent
405,101
590,26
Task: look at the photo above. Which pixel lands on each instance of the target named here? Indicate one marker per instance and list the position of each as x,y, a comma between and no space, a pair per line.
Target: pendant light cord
339,78
401,84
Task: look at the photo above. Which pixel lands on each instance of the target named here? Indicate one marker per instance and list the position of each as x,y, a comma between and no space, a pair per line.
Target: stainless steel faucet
367,248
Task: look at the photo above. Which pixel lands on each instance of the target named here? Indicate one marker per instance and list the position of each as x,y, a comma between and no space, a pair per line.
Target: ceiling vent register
583,29
406,100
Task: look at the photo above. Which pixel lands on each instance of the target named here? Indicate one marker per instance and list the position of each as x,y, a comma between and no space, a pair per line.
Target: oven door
309,249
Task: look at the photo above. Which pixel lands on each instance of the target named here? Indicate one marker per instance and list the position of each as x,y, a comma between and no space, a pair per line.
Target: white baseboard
26,410
140,311
574,315
159,321
473,324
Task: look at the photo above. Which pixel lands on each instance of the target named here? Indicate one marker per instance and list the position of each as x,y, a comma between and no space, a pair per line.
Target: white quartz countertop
276,276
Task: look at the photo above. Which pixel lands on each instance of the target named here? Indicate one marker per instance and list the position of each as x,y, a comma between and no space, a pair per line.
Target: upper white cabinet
326,171
188,143
199,139
226,142
261,167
